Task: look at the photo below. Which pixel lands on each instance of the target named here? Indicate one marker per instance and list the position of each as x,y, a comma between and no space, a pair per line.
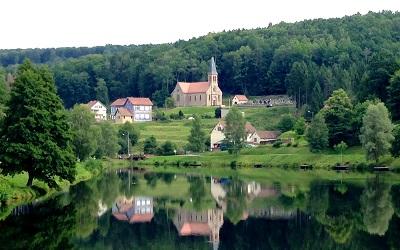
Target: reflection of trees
318,202
168,178
151,179
396,198
236,201
376,206
197,191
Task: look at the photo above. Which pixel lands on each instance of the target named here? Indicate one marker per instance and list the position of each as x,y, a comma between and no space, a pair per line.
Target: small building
239,99
99,110
141,108
199,93
264,137
218,135
123,115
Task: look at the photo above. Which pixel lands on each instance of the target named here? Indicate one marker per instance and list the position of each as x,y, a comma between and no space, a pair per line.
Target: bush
288,144
286,123
167,148
233,165
277,144
217,113
93,166
295,145
150,145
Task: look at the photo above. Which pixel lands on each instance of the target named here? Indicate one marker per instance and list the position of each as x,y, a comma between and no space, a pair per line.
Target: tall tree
317,133
4,94
107,141
197,137
395,149
36,135
85,133
102,91
338,113
376,132
394,95
235,133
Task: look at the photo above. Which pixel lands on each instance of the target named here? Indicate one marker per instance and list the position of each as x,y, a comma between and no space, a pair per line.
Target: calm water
126,210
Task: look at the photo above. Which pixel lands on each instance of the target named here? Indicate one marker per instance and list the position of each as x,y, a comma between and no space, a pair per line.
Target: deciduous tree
235,133
317,133
197,137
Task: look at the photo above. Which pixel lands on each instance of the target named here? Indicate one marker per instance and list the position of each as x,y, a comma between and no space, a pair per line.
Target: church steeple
213,68
213,74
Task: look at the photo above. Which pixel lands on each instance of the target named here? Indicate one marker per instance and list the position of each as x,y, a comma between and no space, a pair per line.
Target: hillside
306,59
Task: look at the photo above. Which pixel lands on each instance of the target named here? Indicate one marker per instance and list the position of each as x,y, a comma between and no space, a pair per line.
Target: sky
73,23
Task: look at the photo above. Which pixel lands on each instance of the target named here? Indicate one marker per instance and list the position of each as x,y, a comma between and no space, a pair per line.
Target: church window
194,98
190,98
209,97
200,97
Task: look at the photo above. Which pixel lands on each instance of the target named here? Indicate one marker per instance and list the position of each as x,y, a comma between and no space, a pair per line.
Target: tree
376,132
217,113
167,148
197,137
338,113
300,126
3,94
286,123
342,146
395,149
107,141
36,135
394,95
317,133
102,92
169,102
127,132
235,133
84,131
150,145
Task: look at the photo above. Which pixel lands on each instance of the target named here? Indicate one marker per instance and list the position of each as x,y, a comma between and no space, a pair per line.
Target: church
199,93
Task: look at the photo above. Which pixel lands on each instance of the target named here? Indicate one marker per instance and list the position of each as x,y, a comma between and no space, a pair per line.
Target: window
209,97
137,203
141,108
194,98
255,139
190,98
200,97
148,202
147,108
146,116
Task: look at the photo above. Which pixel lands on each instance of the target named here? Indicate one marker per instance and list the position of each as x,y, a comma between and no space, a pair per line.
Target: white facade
99,110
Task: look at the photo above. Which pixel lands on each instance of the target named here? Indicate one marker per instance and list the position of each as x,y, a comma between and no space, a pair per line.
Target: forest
307,60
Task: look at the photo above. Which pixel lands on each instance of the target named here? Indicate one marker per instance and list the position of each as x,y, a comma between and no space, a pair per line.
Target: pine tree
197,136
317,134
36,135
394,95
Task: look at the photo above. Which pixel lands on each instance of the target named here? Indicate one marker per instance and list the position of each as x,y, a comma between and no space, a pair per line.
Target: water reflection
127,210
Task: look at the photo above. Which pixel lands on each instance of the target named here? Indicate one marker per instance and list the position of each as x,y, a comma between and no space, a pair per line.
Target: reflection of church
137,209
205,223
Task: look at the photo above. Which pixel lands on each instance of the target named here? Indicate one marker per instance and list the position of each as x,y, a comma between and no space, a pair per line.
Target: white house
217,134
99,110
239,99
141,108
263,137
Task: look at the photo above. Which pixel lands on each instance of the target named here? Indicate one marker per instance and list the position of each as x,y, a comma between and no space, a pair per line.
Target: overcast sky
67,23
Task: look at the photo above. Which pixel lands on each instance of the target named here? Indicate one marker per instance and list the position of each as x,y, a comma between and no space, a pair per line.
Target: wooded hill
307,60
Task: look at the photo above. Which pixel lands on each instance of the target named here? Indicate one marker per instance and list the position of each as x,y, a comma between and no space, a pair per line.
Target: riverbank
13,190
268,156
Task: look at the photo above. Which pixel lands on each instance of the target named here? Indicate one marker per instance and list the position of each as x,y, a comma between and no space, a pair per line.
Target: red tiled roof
241,98
141,218
194,87
268,134
119,102
124,111
248,126
144,101
91,103
120,216
194,229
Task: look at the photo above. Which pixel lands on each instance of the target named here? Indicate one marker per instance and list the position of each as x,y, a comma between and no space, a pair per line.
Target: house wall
142,113
113,110
253,138
100,111
120,119
216,136
236,101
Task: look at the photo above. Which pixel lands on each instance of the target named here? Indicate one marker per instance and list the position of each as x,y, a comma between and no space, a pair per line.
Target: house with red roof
239,99
264,137
99,110
199,93
132,109
137,209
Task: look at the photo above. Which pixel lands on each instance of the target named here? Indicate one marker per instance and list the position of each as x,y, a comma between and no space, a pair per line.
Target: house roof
194,87
248,126
241,97
123,111
213,68
194,229
119,102
263,134
141,218
94,102
144,101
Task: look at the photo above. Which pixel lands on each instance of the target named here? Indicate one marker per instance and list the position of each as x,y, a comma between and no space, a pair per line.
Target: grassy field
267,156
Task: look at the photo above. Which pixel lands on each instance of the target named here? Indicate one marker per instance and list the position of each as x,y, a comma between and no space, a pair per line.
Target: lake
130,210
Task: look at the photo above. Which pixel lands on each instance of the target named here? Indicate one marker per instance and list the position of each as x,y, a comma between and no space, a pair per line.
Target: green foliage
317,134
235,133
169,102
217,113
394,95
181,115
102,92
159,115
395,149
128,132
286,123
150,145
342,146
376,132
4,95
107,142
338,114
300,126
85,132
197,137
167,148
36,135
376,206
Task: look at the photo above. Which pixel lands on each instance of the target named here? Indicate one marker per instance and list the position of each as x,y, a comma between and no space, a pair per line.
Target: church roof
194,87
213,68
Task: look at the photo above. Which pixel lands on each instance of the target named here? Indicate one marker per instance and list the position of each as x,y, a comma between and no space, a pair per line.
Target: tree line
307,60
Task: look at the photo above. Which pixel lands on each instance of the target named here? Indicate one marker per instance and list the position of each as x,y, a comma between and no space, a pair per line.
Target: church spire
213,68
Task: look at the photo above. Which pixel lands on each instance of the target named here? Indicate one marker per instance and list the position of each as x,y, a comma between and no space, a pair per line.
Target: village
205,95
